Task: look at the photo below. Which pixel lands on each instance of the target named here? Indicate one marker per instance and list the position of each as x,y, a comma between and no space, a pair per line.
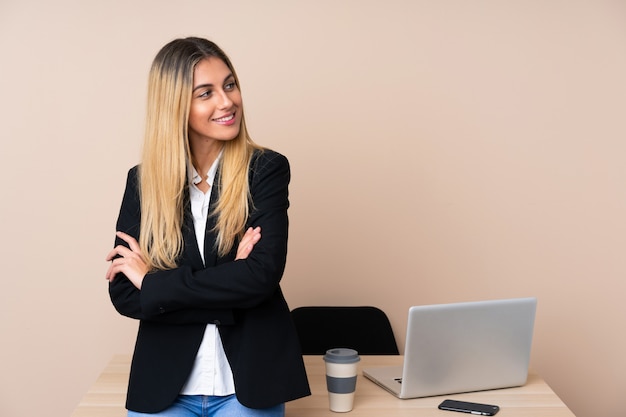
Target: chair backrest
365,329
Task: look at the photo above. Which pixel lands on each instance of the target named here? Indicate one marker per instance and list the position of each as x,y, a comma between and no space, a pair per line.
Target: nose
224,101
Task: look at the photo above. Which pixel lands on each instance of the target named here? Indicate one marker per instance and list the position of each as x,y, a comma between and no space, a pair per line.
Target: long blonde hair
167,156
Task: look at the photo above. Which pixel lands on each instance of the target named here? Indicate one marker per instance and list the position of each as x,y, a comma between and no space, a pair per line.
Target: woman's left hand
130,261
250,238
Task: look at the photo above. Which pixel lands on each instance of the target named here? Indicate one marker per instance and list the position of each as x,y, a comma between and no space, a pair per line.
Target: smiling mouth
225,118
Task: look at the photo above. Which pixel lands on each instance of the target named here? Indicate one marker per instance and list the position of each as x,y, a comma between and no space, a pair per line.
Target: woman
190,263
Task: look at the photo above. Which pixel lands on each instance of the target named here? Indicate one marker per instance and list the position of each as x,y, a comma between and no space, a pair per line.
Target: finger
246,245
112,273
113,270
254,233
132,242
244,251
108,276
252,230
247,250
245,238
120,250
249,235
254,239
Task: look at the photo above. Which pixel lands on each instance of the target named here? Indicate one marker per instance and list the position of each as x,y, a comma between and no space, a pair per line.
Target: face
216,105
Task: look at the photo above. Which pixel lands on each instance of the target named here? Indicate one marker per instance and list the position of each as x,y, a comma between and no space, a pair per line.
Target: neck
203,156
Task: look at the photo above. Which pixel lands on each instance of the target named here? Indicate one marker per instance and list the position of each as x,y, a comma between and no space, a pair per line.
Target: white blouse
211,373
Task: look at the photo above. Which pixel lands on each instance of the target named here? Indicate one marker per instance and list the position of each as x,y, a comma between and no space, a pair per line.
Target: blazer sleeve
237,284
126,298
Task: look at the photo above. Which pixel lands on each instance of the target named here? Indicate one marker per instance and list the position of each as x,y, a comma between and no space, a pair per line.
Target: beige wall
441,151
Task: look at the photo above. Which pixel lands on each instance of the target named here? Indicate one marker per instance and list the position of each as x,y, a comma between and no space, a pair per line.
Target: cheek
199,114
197,123
236,99
193,121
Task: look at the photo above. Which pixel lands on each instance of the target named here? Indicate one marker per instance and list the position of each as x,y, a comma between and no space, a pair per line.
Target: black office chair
364,329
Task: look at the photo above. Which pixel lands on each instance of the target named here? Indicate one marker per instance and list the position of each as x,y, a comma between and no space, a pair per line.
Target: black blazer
243,298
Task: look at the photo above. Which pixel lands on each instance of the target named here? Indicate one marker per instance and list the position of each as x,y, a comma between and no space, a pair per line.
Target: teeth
225,119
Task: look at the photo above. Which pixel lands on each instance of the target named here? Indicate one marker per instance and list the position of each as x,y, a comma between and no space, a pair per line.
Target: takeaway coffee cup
341,371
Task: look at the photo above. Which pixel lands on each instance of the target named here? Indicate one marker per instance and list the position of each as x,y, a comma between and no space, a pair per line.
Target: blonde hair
167,156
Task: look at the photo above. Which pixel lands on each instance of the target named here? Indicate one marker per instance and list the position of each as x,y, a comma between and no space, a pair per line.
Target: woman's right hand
128,261
249,239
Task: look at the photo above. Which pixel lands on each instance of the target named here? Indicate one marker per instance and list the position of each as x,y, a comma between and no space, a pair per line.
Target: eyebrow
211,85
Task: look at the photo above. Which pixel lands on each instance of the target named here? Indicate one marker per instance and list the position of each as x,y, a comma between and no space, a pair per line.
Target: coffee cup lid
341,355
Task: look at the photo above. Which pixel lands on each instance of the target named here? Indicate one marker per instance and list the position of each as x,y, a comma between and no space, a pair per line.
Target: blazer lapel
210,236
191,252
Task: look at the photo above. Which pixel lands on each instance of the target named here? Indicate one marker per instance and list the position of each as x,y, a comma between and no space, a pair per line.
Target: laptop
462,347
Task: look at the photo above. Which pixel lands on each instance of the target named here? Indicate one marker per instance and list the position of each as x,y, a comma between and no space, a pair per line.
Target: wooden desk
535,399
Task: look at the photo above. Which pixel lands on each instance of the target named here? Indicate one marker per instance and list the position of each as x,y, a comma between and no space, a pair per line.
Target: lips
228,119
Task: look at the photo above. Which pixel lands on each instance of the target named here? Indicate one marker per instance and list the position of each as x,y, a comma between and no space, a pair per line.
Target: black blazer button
161,310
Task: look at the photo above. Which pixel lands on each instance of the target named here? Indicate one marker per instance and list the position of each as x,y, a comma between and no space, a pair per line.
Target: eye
205,94
230,86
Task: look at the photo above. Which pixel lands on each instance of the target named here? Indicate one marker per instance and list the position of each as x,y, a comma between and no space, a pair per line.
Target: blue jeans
211,406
